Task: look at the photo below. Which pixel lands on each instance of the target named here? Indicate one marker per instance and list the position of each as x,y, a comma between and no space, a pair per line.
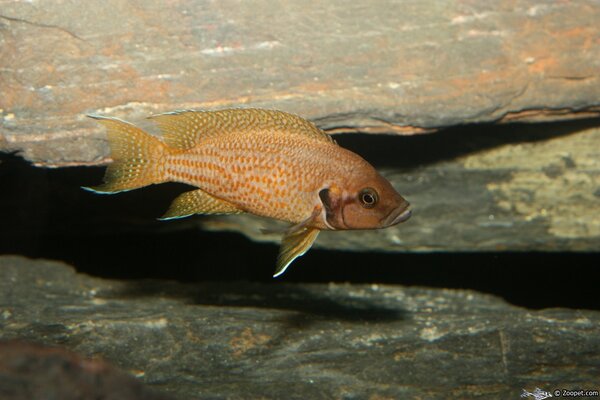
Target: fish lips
397,216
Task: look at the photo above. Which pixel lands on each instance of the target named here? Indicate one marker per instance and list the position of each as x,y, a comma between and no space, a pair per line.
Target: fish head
368,201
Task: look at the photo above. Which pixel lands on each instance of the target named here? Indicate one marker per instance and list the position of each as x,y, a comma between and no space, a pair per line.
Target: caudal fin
137,157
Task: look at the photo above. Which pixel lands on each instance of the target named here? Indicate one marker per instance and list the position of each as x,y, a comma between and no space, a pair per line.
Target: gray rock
399,68
392,67
298,341
519,189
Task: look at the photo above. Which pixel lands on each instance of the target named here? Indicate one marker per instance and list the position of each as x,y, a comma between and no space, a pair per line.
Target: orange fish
265,162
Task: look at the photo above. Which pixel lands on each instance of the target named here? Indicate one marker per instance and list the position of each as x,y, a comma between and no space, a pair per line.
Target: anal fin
199,202
293,245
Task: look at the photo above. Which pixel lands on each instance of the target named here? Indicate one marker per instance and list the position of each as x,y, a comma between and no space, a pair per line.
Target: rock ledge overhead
269,341
403,67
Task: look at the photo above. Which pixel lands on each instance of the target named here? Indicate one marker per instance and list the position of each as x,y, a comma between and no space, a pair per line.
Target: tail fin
136,157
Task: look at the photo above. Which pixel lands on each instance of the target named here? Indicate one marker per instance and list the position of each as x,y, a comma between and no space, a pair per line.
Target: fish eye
368,197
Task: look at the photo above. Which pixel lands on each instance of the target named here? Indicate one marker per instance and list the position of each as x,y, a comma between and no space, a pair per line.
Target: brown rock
31,371
381,68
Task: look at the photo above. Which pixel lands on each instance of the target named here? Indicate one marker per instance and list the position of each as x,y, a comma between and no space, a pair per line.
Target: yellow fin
136,157
198,202
294,245
183,129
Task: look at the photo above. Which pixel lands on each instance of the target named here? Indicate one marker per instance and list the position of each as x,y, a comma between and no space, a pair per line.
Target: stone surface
519,187
295,341
36,372
391,67
524,188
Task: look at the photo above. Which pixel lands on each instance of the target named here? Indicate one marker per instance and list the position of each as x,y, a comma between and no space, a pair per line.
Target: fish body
265,162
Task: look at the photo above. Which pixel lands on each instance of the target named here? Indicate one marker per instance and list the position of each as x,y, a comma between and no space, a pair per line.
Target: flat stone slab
403,67
296,341
531,188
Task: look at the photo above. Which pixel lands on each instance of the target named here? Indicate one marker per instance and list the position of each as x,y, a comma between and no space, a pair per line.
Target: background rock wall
392,67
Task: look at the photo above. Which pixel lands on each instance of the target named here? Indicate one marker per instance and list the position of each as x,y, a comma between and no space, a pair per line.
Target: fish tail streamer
138,157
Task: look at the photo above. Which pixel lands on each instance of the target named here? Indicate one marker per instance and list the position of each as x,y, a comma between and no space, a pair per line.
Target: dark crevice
408,152
44,213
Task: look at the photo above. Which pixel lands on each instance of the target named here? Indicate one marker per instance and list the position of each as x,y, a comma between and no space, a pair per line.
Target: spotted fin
294,245
136,157
199,202
184,129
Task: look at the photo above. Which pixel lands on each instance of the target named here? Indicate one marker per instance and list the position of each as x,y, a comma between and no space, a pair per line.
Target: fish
264,162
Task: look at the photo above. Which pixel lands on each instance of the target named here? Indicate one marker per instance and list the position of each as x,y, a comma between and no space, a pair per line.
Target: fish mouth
397,216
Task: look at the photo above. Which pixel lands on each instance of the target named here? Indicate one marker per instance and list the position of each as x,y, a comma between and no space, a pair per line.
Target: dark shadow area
44,213
417,150
310,304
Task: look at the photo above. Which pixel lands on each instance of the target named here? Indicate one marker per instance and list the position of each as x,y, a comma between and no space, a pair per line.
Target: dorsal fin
184,129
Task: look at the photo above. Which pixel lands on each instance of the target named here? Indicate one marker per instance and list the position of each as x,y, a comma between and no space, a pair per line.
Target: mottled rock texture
36,372
524,188
392,67
294,341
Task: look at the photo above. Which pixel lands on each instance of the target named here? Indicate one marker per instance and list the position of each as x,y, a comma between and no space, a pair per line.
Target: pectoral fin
293,245
199,202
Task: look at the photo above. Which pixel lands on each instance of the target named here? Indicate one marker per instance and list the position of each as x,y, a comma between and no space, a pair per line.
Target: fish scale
265,162
265,165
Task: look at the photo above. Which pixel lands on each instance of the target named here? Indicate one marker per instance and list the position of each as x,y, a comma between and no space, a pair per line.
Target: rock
519,187
32,372
299,341
523,188
405,68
